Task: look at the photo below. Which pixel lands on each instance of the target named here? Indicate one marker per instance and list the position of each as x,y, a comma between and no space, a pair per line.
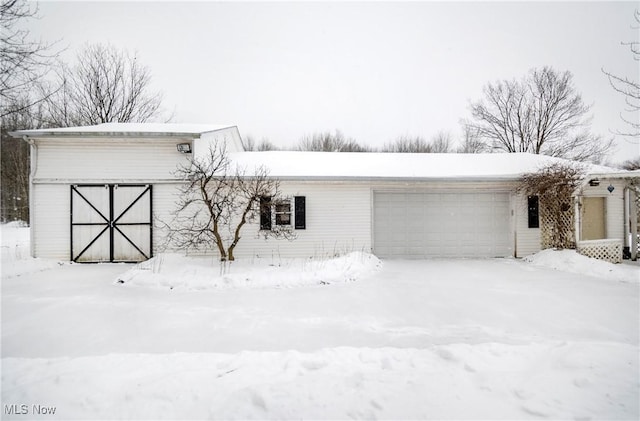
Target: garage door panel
441,224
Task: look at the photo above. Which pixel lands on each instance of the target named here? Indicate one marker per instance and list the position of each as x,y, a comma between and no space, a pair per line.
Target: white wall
94,160
614,205
338,220
527,239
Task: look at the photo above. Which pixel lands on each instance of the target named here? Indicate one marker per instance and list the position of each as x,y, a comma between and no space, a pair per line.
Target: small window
533,212
283,213
265,213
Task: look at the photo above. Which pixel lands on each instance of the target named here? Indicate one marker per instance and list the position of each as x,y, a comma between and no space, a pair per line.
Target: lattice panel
558,234
638,214
609,250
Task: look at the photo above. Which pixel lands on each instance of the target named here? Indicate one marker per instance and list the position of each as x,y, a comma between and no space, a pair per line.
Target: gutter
73,135
342,178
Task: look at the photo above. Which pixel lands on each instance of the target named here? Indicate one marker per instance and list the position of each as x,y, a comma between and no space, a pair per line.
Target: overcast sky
372,70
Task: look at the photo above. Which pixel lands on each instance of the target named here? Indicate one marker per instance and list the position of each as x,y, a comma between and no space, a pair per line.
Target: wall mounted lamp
595,182
184,147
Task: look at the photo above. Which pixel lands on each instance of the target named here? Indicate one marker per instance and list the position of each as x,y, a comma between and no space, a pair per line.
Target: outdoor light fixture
611,188
184,147
594,182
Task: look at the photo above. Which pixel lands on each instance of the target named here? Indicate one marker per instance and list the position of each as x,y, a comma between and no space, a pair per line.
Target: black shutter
300,212
533,212
265,213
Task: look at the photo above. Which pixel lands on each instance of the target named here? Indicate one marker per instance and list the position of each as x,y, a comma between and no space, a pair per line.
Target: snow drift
176,271
572,261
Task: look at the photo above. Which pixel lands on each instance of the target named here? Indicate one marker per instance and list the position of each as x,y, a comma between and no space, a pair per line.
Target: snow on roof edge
302,165
128,129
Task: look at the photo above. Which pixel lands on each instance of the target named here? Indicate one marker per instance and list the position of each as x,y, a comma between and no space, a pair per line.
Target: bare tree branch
23,62
105,85
216,201
328,142
630,88
541,114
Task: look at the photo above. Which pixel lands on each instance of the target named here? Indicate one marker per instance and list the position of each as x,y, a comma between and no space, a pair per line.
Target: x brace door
111,222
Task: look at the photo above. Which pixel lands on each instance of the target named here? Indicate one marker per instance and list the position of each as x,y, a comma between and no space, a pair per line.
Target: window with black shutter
300,212
533,212
265,213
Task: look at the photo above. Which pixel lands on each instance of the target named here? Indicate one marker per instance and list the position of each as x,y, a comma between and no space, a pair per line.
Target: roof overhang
132,131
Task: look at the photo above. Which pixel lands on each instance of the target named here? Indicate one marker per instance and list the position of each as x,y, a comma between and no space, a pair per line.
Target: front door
593,218
111,223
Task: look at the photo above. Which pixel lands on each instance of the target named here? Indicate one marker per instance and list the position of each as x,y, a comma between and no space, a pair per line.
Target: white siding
527,239
165,199
93,160
50,221
338,220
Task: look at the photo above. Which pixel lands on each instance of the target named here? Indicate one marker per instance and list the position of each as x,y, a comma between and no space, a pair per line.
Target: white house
97,193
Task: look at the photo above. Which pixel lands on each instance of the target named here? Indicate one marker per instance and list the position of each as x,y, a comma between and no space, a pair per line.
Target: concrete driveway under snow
494,338
77,310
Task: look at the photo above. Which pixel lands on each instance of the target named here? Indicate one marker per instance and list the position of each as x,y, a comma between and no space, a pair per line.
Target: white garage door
413,224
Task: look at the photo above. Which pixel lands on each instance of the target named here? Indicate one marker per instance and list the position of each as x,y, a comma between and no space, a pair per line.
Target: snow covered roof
354,165
126,129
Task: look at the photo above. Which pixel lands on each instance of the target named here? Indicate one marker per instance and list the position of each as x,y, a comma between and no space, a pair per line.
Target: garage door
418,225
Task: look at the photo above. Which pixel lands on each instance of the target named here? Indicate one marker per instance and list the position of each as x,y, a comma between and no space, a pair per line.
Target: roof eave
509,178
119,134
32,134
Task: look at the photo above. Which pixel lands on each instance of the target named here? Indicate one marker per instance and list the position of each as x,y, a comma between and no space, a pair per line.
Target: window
283,213
533,212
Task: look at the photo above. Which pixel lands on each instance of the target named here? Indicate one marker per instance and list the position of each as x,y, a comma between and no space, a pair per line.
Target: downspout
627,232
33,157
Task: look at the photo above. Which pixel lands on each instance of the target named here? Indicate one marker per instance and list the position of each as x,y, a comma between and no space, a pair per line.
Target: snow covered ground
345,338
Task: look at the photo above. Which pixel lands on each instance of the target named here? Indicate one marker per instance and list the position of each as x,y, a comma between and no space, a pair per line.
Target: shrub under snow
182,272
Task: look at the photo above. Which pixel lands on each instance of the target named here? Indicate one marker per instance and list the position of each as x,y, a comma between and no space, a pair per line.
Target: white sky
372,70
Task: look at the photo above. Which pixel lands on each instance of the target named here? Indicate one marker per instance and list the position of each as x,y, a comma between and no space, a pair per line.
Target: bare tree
23,62
630,88
541,114
105,85
554,185
471,141
217,200
14,173
408,144
249,144
440,143
328,142
631,164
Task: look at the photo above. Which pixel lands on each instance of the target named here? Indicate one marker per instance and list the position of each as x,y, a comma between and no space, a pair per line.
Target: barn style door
111,223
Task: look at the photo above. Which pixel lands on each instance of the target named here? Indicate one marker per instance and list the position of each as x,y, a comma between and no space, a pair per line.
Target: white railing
609,250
